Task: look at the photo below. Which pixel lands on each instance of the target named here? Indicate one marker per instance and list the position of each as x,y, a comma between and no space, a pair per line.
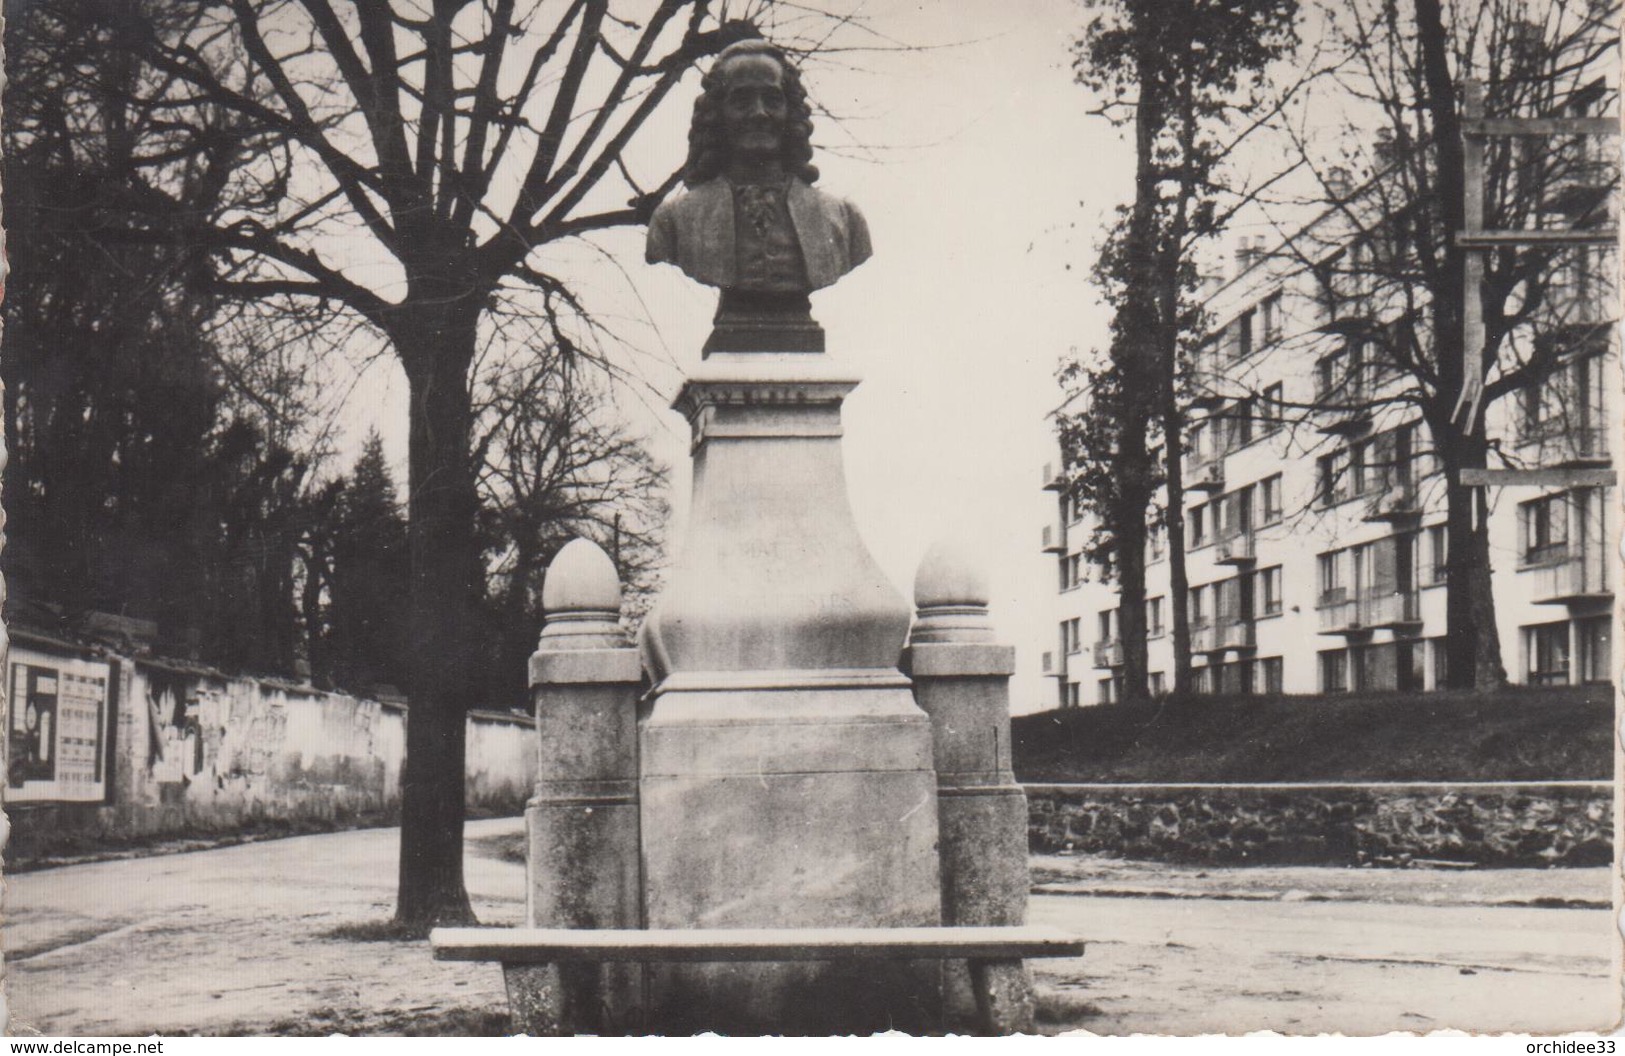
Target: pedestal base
799,806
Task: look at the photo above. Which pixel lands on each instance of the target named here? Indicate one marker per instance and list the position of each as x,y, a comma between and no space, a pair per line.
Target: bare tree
414,164
1390,270
556,464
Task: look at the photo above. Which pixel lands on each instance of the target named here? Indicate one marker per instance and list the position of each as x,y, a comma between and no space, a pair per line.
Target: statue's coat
695,231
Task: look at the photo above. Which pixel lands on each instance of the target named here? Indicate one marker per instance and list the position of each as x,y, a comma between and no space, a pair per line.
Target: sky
986,185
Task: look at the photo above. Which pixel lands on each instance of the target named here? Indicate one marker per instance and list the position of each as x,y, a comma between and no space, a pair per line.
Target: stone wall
192,752
1502,824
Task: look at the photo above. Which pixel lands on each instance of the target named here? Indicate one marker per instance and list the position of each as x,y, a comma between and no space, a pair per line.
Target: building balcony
1555,445
1051,669
1206,475
1054,539
1237,634
1054,480
1399,610
1583,192
1571,581
1396,502
1345,423
1109,654
1205,638
1339,613
1238,549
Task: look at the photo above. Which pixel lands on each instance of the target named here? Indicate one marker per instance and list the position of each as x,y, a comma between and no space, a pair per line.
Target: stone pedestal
786,774
961,680
582,865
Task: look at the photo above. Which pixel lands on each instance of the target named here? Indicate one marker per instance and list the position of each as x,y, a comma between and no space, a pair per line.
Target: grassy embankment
1519,734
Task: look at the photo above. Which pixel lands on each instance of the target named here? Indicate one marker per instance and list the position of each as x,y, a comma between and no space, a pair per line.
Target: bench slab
668,946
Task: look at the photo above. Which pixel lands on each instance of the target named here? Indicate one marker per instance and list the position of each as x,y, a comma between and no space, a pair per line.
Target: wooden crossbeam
1541,126
1569,477
1587,236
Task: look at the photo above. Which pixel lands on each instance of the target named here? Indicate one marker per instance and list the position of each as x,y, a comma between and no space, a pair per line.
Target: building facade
1315,510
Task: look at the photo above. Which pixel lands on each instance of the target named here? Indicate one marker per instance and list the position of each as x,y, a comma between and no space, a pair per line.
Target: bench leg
553,1000
1004,995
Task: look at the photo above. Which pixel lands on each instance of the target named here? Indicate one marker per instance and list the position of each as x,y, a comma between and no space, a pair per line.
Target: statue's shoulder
840,218
694,201
830,205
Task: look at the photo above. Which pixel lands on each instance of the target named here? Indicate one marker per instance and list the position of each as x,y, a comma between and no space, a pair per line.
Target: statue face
754,108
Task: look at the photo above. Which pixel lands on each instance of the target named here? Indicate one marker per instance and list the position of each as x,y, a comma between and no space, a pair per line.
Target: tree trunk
444,560
1128,532
1178,579
1138,360
1473,647
1472,643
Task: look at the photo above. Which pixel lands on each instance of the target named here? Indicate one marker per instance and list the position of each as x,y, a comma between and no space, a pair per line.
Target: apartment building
1315,510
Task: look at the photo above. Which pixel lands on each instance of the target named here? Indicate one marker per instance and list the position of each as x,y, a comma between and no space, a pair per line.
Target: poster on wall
57,730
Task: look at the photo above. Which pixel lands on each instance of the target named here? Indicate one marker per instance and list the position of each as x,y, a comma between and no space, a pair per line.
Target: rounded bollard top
581,600
581,578
951,574
951,594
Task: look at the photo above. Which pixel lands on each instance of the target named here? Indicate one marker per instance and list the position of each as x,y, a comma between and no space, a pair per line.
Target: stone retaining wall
1503,824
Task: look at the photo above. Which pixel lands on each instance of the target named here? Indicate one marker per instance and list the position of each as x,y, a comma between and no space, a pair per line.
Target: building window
1272,317
1594,637
1268,593
1074,694
1159,684
1547,648
1198,526
1437,566
1072,634
1153,617
1108,625
1272,411
1244,333
1332,588
1197,613
1334,671
1269,500
1232,600
1071,571
1105,693
1240,425
1360,471
1236,678
1332,483
1269,669
1156,538
1545,530
1328,378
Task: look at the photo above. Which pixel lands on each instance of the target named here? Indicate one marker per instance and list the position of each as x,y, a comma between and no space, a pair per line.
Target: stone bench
547,999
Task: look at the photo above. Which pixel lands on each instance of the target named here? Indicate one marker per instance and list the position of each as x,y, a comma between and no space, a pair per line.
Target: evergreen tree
368,579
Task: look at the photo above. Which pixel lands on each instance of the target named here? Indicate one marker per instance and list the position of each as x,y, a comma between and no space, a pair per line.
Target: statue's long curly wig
707,138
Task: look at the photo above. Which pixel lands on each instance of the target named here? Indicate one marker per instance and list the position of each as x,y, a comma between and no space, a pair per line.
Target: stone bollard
962,681
582,863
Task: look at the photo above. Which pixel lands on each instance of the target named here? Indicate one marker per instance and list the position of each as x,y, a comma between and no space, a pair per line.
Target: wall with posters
103,748
58,728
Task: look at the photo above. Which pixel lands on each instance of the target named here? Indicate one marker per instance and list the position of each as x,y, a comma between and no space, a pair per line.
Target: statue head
745,105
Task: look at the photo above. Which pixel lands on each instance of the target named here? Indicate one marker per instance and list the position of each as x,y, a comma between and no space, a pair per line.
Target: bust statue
751,223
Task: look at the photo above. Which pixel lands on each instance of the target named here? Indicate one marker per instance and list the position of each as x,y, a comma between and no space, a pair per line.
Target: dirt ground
249,940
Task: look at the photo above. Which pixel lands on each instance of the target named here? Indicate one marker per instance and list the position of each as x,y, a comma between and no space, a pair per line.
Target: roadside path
237,939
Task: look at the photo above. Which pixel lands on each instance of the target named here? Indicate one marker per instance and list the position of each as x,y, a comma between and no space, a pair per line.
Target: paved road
234,939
